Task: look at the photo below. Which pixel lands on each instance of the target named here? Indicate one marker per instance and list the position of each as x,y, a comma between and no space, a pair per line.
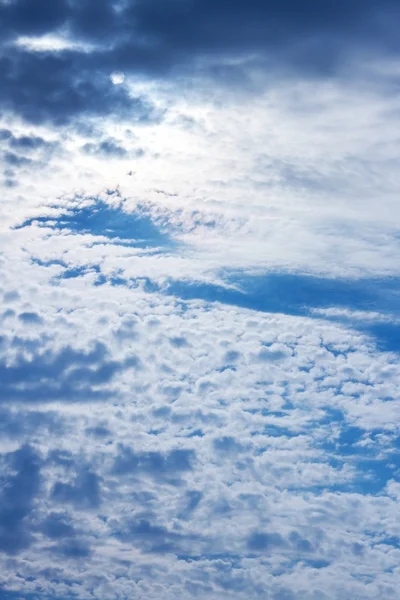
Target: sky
199,299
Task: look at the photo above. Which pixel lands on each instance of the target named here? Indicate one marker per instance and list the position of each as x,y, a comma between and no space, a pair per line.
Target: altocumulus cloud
199,310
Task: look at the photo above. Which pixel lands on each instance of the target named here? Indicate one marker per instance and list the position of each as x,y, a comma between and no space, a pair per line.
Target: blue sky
200,300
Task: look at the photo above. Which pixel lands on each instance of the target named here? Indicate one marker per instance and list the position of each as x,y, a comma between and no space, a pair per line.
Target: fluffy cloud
242,440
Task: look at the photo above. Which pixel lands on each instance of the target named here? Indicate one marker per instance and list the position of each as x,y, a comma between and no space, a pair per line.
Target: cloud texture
199,309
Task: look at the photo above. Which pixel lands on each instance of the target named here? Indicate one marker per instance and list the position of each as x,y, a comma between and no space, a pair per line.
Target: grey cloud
153,538
23,424
264,542
167,466
30,318
16,160
111,148
227,445
66,375
163,38
29,142
57,526
74,548
5,134
106,149
83,493
21,477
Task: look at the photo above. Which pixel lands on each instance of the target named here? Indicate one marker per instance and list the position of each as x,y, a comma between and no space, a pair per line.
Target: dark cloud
20,424
84,492
99,431
99,24
159,37
74,548
59,87
168,466
57,526
62,458
11,296
153,538
106,149
29,142
35,17
5,134
192,500
15,160
21,480
264,542
227,445
66,375
10,183
30,318
178,342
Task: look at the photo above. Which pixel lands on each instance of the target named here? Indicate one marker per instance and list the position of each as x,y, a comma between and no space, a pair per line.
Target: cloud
106,149
22,481
5,134
34,17
198,349
57,526
30,318
152,538
261,542
29,143
138,39
66,375
289,450
25,424
84,492
63,89
167,466
16,160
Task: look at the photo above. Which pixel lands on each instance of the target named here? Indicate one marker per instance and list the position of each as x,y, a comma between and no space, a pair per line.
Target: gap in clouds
100,219
287,293
298,294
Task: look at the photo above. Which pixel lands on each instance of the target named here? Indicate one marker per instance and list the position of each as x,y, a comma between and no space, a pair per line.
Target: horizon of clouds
199,345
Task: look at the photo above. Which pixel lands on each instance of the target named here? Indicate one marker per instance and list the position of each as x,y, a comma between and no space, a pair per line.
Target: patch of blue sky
375,464
288,293
100,219
298,294
67,272
374,475
293,293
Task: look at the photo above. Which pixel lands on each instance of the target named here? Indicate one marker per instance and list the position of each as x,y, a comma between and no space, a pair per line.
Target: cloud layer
199,307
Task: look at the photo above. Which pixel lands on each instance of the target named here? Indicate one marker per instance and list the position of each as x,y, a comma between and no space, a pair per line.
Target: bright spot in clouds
117,77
